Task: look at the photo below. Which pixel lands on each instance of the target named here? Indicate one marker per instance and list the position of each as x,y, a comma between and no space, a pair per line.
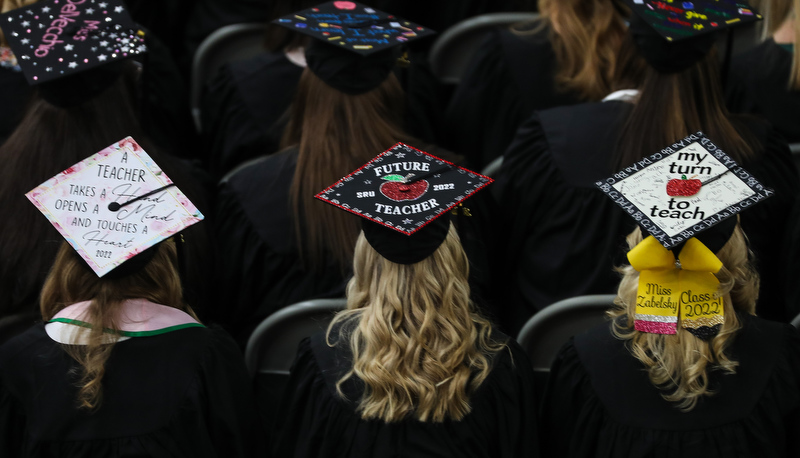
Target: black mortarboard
355,44
404,196
689,189
59,38
672,36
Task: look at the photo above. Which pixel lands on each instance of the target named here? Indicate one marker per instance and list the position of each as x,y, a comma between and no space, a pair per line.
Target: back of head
680,364
50,139
674,104
417,343
71,280
586,35
335,133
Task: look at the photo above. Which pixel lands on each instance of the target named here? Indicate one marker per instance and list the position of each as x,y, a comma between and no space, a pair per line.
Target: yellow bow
668,289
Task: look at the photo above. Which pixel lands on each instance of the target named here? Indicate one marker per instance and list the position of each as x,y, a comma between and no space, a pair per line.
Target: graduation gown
14,97
757,83
600,402
564,236
316,422
259,266
181,392
241,109
510,76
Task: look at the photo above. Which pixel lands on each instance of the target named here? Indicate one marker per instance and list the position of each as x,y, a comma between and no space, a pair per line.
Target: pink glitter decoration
654,327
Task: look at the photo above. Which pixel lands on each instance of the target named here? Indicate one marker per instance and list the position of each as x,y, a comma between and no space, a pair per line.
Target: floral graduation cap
53,39
687,197
354,26
406,193
113,205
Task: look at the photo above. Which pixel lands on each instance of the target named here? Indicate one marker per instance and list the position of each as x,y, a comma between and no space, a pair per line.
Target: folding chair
453,50
227,44
549,329
272,347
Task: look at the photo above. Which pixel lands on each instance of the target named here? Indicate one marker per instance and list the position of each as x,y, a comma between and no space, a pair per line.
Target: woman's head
335,133
417,343
585,35
672,105
738,279
680,364
71,280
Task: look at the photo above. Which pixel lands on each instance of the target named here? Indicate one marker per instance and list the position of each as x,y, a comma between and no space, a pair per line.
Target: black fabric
242,109
184,393
757,83
73,90
14,97
511,75
347,71
599,401
317,423
259,269
406,249
669,56
562,236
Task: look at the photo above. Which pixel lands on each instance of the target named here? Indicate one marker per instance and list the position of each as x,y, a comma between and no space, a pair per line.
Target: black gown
241,109
757,83
564,236
316,422
184,393
259,268
600,402
510,76
14,97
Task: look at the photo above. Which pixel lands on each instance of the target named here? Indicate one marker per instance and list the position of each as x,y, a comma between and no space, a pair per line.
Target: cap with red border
404,195
114,205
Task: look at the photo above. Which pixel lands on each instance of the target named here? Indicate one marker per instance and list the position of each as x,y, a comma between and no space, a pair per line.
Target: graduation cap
404,196
54,39
687,197
354,44
114,205
672,35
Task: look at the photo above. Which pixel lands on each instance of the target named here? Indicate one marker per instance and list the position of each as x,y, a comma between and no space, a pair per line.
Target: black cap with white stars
57,38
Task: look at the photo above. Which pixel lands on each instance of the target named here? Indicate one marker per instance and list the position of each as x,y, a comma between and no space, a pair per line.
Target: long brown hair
418,343
671,106
680,364
48,140
585,35
335,133
71,281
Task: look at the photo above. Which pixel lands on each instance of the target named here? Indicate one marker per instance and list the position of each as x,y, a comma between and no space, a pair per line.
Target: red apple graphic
683,187
397,189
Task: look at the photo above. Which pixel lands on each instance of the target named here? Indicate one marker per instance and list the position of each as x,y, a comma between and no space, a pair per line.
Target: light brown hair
671,106
585,35
335,133
418,343
71,281
680,364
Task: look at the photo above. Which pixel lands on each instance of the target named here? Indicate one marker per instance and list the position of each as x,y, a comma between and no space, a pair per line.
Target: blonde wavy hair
8,5
418,343
71,281
680,364
586,36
